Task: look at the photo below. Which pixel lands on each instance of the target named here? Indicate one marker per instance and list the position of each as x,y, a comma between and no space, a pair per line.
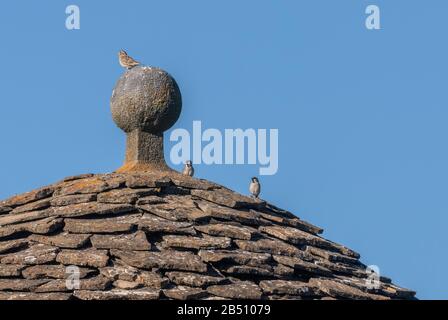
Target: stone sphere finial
146,101
146,98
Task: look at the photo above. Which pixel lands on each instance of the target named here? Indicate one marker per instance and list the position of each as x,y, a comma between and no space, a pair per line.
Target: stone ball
146,98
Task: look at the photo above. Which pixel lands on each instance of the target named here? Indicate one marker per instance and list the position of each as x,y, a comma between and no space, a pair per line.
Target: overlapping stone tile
28,197
236,257
265,271
44,226
20,284
72,199
194,279
302,266
92,184
12,245
154,224
36,254
120,224
11,270
229,214
210,238
241,290
118,294
91,208
134,241
227,198
227,230
188,242
30,296
62,285
124,195
167,260
11,219
283,287
32,206
87,257
338,290
185,293
62,240
269,246
54,272
293,222
147,180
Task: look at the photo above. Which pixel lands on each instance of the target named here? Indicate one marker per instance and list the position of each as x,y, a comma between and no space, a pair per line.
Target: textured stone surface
11,219
118,294
126,285
240,290
148,181
28,197
169,260
224,230
37,254
53,271
88,257
95,283
5,209
302,266
33,206
236,257
185,293
147,99
118,196
266,271
282,287
12,245
10,270
293,222
268,246
228,214
111,225
89,185
43,226
227,198
63,240
160,235
90,208
135,241
194,279
20,284
151,279
72,199
206,242
153,224
29,296
339,290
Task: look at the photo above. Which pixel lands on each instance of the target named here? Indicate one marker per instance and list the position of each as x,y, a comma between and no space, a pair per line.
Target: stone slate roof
168,236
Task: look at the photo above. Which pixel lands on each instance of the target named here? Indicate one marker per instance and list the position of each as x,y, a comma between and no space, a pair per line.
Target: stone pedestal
145,102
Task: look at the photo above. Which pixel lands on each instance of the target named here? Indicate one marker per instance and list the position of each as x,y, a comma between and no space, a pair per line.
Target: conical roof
148,232
168,236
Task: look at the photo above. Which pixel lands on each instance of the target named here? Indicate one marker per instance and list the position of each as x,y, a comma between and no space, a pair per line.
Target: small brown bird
255,187
126,61
188,169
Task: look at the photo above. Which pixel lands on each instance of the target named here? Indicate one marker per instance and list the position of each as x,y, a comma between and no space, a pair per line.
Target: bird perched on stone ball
255,187
188,169
127,61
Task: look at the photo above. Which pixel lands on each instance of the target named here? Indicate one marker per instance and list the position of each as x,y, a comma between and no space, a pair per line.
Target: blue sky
361,114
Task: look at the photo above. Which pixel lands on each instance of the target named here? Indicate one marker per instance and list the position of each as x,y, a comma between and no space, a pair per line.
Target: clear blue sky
362,115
